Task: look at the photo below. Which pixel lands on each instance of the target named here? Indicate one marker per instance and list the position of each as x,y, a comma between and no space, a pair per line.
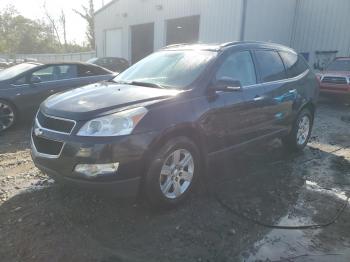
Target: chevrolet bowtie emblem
38,132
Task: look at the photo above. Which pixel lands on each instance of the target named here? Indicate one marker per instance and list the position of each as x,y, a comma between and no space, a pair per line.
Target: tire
168,188
300,133
8,115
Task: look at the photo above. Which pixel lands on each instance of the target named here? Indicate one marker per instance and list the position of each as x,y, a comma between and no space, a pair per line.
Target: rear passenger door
298,81
279,95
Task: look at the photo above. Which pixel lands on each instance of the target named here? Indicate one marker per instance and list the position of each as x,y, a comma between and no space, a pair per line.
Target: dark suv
158,123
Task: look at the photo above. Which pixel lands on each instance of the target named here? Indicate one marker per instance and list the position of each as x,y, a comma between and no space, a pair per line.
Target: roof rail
175,45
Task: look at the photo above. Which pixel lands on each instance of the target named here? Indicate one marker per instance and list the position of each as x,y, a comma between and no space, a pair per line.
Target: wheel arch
13,105
186,130
308,105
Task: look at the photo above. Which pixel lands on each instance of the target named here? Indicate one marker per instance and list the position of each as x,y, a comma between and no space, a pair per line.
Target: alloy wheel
7,116
176,174
304,127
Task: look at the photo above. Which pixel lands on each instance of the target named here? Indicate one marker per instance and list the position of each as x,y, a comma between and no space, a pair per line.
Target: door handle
292,91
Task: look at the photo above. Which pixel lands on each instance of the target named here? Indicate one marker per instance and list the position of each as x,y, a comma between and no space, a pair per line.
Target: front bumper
129,151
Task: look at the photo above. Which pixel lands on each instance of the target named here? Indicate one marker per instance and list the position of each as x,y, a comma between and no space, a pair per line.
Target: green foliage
20,35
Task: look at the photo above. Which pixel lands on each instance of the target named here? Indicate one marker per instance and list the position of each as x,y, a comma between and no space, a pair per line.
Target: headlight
118,124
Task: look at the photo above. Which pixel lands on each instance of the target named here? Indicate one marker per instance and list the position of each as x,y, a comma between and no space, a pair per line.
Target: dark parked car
23,87
115,64
159,122
335,80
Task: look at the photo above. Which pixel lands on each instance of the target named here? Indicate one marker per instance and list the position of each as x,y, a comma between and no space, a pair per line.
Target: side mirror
35,79
227,84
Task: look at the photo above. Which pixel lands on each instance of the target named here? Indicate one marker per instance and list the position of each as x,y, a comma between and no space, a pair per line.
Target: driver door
239,66
35,87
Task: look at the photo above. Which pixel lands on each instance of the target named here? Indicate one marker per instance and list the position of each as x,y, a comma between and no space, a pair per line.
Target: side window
21,81
45,74
238,66
294,64
271,67
85,71
67,72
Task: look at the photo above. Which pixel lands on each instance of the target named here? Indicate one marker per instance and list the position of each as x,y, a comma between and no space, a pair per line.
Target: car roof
220,47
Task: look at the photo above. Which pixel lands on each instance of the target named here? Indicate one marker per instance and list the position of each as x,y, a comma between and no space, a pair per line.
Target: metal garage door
183,30
142,41
113,43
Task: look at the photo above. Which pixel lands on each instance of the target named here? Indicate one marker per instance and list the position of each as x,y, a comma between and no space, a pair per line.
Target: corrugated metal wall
306,25
270,20
322,25
220,19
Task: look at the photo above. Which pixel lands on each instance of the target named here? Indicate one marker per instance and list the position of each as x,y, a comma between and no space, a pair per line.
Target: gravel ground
41,221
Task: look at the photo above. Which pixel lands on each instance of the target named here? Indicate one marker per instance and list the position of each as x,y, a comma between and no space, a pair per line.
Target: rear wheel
172,173
301,132
7,115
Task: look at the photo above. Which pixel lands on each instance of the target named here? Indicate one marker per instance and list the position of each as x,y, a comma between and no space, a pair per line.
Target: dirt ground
41,221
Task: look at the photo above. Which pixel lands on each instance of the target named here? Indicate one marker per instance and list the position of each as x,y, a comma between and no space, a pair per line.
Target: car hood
103,98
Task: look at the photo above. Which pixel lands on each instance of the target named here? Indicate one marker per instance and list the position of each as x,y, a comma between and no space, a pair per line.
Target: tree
64,28
53,24
21,35
88,15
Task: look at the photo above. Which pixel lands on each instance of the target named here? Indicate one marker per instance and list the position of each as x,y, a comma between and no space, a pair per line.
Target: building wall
220,19
270,20
322,26
310,26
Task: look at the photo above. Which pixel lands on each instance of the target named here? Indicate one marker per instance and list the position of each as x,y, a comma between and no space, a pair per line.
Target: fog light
92,171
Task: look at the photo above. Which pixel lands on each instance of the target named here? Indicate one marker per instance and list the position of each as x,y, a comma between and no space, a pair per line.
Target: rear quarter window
270,65
295,65
86,71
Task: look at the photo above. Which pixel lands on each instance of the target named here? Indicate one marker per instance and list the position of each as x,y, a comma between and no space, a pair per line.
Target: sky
33,9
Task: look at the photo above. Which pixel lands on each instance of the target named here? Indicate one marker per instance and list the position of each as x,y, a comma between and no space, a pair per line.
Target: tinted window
238,66
21,81
294,65
270,66
56,72
68,71
45,74
85,71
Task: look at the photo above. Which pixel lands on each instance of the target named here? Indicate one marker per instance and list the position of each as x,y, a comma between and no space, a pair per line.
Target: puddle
305,245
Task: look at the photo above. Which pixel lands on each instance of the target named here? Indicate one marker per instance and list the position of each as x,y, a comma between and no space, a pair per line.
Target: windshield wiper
138,83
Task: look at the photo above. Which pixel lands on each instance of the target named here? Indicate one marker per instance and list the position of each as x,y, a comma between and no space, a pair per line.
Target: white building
320,29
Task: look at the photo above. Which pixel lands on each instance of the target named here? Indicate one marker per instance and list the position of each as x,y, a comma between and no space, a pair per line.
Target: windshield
339,65
168,69
15,70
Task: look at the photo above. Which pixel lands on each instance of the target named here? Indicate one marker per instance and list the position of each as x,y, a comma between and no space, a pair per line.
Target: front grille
334,80
46,146
55,124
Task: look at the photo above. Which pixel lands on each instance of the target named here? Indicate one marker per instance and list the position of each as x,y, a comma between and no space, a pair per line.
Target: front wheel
172,173
7,115
301,132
